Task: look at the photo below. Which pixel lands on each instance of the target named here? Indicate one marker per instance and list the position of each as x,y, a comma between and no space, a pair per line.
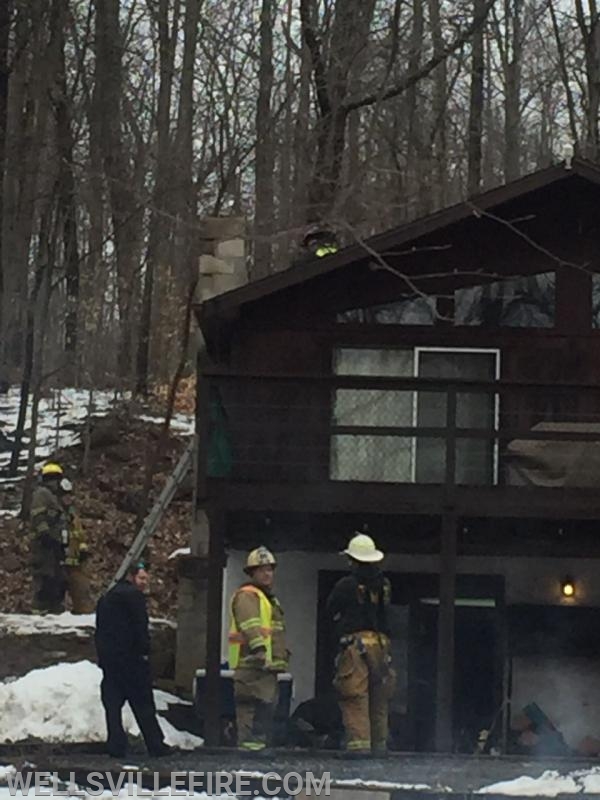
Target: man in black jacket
123,648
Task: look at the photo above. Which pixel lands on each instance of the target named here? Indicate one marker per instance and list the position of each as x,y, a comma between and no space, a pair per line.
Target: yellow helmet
259,558
52,469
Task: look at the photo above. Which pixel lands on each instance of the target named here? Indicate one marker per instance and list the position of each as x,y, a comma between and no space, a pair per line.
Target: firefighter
257,650
123,647
364,678
319,241
49,528
76,554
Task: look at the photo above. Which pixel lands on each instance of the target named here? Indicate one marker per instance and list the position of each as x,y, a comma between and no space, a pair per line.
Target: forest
124,122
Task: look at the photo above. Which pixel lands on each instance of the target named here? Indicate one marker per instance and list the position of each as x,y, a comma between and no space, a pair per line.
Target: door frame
416,361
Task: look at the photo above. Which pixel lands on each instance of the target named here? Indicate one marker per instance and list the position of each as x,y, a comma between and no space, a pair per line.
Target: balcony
419,438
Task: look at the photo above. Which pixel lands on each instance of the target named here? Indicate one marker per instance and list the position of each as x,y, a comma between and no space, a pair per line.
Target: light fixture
567,588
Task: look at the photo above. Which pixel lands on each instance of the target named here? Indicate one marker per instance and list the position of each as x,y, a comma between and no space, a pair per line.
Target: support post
445,653
192,601
216,564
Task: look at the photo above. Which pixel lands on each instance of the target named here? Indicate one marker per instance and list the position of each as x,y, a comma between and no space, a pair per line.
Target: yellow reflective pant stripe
258,641
253,745
359,744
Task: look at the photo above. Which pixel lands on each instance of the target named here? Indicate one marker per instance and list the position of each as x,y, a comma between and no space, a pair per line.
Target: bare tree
265,155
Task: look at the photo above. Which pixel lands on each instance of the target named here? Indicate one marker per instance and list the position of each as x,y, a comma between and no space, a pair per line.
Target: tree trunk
5,18
439,110
591,41
265,146
475,147
512,96
39,309
350,29
125,208
66,190
159,236
414,149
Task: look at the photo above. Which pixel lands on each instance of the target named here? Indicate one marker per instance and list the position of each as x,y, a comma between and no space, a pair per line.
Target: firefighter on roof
364,680
319,241
257,650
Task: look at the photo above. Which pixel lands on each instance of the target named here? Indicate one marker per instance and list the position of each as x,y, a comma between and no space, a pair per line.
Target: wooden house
439,386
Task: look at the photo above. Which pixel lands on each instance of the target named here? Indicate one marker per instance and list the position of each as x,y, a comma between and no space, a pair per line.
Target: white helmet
362,548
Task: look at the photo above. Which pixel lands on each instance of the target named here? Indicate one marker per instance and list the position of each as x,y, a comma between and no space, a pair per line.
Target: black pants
129,683
49,593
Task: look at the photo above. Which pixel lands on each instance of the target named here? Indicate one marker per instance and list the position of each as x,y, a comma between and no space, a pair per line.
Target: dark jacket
48,521
122,636
358,602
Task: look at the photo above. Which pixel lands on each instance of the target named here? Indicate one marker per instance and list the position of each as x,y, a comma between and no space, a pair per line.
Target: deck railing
294,428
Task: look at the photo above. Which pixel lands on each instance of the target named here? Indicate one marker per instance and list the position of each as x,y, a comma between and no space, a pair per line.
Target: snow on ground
64,409
549,784
62,704
180,423
181,551
78,624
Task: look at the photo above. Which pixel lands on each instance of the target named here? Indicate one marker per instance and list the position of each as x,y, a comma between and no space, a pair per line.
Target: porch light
567,587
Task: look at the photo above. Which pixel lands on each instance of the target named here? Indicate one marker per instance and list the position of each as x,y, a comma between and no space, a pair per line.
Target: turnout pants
130,683
255,701
364,682
78,587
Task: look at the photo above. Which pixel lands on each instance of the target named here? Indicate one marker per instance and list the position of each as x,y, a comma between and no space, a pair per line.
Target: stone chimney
221,267
222,264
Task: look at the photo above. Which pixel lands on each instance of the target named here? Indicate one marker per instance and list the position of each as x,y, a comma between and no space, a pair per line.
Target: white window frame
490,350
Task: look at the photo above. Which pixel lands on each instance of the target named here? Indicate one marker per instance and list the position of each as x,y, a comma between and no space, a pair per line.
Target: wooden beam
445,652
216,564
350,497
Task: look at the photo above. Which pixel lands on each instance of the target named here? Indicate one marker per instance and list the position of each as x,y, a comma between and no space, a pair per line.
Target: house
439,386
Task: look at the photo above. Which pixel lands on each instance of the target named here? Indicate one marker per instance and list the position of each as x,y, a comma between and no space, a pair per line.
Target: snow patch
5,771
181,551
181,423
549,784
62,704
80,625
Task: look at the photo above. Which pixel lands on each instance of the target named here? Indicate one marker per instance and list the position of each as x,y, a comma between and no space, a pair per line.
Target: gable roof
228,302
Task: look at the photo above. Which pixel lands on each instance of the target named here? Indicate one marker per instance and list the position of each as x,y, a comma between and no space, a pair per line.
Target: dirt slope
107,499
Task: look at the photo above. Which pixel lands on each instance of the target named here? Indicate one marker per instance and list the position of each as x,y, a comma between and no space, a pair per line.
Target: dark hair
136,566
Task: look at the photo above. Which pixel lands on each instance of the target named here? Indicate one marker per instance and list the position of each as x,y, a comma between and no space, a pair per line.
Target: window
521,302
415,310
402,459
360,456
